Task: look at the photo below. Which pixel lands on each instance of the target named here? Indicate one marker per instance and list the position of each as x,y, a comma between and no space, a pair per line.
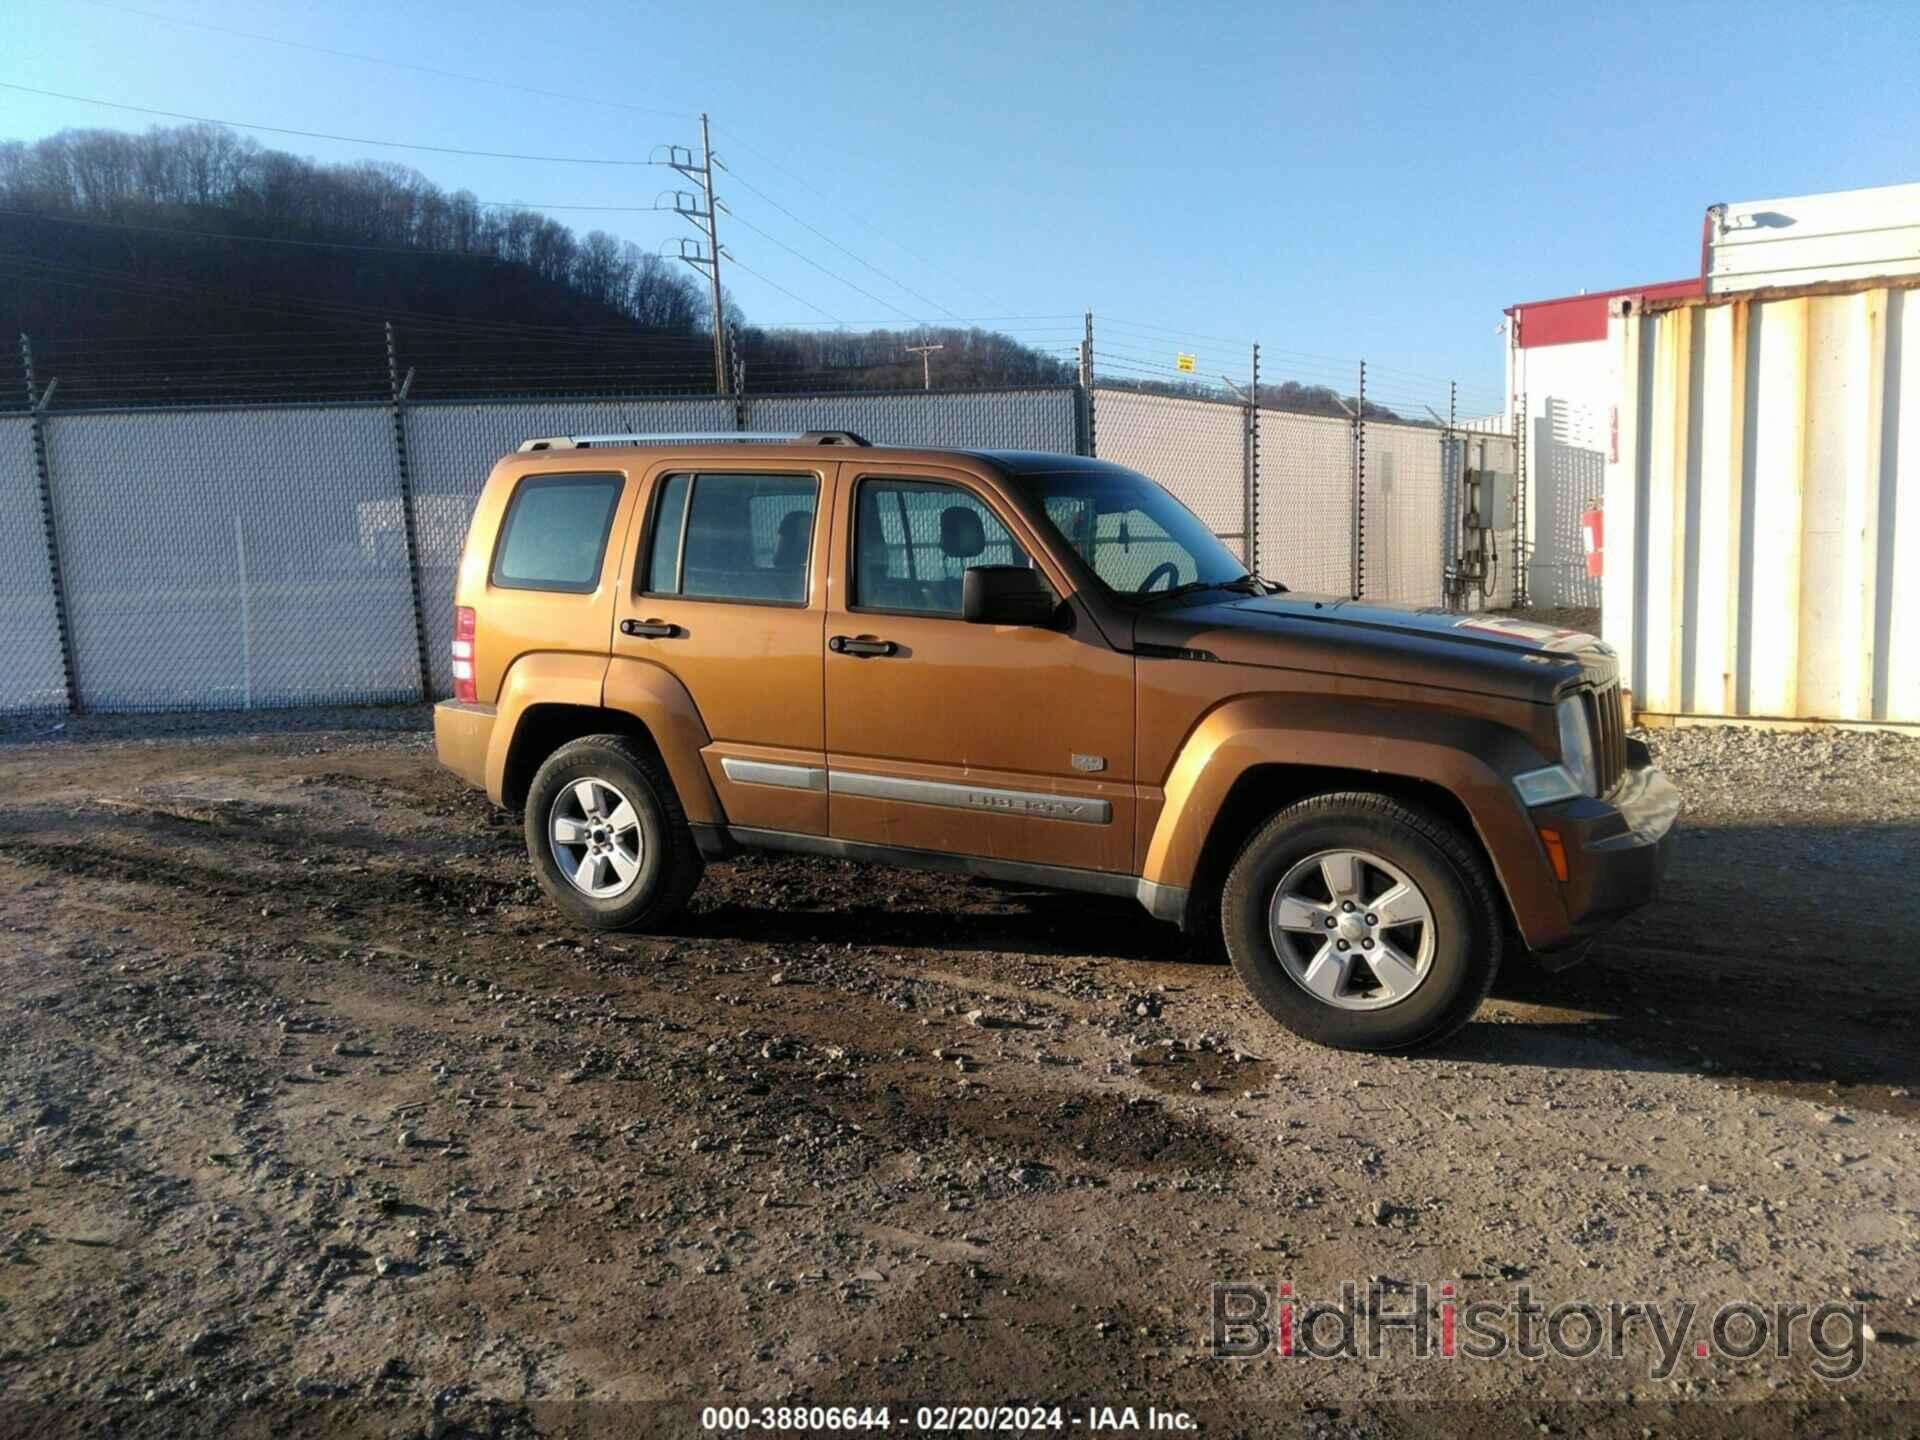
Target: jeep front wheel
606,835
1362,923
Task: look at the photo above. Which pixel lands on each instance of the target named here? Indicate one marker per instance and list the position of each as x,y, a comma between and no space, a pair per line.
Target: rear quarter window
555,533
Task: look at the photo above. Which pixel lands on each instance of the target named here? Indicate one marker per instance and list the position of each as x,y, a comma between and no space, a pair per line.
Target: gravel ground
315,1120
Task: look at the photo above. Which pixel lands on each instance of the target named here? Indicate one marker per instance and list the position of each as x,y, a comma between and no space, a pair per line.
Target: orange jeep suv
1037,668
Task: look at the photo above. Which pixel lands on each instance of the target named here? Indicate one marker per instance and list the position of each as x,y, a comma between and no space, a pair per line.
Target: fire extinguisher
1592,538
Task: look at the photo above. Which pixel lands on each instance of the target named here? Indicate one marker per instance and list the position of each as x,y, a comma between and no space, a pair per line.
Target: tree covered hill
190,263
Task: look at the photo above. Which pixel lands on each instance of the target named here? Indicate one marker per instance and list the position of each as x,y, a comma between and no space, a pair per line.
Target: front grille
1609,735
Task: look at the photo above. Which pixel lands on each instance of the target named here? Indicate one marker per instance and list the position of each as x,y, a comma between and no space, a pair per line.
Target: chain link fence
230,557
225,559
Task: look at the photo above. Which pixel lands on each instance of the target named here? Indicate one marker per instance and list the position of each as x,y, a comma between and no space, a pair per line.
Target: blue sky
1331,180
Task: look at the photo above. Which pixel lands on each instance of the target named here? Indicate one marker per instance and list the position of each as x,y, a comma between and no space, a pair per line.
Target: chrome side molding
1036,803
769,772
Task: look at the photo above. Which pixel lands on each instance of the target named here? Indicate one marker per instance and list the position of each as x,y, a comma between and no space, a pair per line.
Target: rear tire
607,837
1335,873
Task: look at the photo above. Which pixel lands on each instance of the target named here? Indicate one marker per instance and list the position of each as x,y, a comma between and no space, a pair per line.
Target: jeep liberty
1041,669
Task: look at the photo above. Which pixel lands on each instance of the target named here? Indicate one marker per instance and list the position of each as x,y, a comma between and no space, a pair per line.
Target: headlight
1576,774
1576,744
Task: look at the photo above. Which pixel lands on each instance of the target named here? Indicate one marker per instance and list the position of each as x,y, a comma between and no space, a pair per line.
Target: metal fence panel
450,450
1038,419
32,677
1305,491
231,558
1406,492
1195,448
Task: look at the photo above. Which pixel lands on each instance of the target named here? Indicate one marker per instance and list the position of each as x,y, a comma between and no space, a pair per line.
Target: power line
754,189
821,268
394,64
781,288
325,135
548,94
868,224
250,239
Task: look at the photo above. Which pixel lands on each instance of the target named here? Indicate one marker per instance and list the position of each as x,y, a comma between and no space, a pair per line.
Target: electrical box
1495,509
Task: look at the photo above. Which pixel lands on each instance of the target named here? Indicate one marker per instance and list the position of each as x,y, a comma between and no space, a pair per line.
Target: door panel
963,738
752,663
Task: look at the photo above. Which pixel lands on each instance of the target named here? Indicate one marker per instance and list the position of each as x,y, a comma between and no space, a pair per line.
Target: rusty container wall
1763,515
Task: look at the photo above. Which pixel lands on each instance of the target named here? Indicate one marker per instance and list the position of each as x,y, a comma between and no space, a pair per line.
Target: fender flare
599,682
656,698
1468,757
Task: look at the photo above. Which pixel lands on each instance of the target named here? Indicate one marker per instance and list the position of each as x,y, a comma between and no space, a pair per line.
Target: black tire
670,864
1449,872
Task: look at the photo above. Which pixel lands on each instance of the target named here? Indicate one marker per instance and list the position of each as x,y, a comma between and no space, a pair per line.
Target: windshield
1137,538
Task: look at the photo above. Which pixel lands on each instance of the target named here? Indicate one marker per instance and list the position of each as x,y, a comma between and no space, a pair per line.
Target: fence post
1360,487
37,402
409,522
1250,521
1518,424
737,368
1085,408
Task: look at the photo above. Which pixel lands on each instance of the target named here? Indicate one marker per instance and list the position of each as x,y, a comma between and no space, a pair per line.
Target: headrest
961,535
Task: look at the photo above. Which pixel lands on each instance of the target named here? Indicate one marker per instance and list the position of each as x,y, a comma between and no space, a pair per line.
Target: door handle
657,629
860,645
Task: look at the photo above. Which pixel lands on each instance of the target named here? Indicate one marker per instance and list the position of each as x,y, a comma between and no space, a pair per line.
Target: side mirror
1005,595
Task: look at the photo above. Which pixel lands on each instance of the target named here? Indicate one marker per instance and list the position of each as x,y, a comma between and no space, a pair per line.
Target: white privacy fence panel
219,558
1404,492
32,677
963,420
452,447
1195,448
1305,502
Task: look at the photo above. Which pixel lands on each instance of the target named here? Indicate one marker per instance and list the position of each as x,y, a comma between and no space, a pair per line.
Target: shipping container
1763,506
1811,239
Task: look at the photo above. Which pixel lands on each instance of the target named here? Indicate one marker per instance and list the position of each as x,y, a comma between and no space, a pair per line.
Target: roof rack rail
703,437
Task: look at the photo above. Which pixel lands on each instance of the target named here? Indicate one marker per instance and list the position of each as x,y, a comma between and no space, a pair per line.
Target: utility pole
713,270
680,158
925,352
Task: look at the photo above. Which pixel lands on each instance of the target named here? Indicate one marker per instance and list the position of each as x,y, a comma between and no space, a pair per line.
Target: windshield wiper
1188,587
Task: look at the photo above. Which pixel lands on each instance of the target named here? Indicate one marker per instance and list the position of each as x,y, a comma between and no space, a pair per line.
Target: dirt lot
312,1118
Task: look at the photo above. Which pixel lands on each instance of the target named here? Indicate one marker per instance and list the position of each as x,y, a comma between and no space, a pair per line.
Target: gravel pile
1731,772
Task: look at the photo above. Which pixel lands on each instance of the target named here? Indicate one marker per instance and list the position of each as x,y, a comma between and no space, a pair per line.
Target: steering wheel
1173,573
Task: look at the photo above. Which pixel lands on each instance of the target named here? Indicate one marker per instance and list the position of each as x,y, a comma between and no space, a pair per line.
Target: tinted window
913,543
734,537
555,533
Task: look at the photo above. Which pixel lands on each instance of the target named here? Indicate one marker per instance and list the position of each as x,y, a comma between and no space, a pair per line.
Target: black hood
1421,646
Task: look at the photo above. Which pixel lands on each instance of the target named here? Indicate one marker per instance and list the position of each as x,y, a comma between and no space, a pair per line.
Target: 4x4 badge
1090,763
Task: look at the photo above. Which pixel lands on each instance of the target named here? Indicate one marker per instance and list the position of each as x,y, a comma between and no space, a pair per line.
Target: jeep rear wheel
606,835
1362,923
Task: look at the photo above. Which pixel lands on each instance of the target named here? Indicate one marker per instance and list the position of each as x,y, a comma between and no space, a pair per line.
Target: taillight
463,654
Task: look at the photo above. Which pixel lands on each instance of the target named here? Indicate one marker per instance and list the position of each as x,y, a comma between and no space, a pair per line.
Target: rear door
1011,742
729,594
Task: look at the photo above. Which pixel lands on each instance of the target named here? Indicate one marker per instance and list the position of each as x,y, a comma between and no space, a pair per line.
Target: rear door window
733,537
555,533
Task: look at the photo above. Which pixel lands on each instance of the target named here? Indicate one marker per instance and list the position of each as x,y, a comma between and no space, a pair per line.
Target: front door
1004,741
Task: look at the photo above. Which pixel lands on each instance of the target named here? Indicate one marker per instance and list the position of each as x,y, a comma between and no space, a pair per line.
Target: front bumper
1617,849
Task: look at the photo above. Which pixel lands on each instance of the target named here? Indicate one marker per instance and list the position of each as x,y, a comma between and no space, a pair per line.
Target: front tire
1362,923
607,837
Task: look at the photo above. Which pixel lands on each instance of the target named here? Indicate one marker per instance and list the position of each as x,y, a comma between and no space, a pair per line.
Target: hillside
192,264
